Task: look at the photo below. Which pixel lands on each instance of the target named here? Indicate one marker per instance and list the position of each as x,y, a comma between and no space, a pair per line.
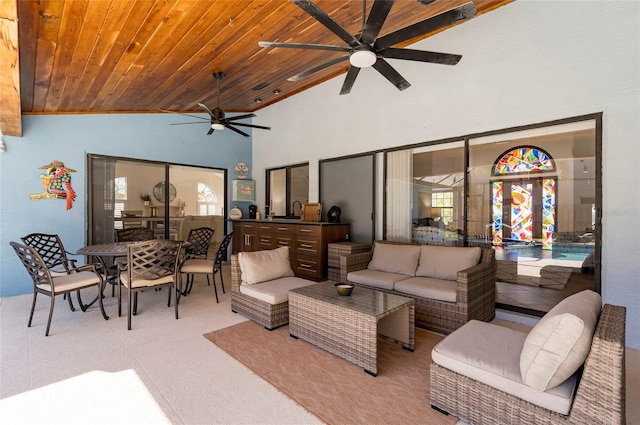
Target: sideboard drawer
307,267
308,230
308,245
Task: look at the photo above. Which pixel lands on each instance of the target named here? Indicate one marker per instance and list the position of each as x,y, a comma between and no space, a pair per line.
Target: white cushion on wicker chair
262,266
395,258
444,262
490,354
376,278
428,287
560,342
275,291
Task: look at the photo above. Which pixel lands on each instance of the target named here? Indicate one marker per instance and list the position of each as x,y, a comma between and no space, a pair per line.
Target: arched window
514,200
207,200
523,159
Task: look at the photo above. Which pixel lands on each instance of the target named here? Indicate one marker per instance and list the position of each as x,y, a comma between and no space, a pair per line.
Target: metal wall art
56,183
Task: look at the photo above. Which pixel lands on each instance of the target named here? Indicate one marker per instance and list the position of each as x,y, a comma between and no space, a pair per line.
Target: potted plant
146,199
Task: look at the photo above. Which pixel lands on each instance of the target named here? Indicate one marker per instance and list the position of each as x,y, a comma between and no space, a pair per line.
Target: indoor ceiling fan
366,49
218,120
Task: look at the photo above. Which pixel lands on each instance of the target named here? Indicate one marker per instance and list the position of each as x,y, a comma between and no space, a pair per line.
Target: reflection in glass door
531,196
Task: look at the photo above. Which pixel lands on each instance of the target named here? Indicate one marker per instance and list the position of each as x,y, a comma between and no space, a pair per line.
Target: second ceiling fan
366,49
217,118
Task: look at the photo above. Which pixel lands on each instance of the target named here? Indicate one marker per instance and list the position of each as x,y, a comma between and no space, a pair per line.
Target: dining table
103,252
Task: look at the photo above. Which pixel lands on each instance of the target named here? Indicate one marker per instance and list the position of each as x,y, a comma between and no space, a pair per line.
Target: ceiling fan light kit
366,49
361,57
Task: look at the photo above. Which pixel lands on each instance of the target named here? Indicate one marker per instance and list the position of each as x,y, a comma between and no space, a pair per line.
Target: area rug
336,391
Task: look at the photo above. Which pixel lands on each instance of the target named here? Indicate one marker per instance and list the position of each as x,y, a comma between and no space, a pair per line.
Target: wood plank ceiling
126,56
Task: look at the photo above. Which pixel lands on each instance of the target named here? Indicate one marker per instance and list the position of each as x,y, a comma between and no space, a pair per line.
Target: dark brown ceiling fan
366,49
218,120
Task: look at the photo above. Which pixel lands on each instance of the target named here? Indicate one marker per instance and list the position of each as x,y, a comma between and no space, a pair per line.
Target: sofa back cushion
262,266
444,262
560,342
395,258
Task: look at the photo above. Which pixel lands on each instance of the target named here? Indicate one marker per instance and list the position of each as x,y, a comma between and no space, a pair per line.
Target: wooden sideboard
307,242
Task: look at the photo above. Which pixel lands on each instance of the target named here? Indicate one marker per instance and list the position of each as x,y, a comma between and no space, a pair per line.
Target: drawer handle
306,245
306,266
264,227
265,240
283,228
305,230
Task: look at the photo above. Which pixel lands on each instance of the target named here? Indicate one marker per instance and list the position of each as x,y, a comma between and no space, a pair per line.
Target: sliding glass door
126,192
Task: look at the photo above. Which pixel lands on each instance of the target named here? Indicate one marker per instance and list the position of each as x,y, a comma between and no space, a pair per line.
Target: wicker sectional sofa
450,285
569,369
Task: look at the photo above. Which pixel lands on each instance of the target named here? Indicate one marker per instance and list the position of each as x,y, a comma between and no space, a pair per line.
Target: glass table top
363,300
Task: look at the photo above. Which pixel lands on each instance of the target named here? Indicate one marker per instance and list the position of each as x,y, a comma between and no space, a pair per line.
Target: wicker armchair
599,398
268,315
475,293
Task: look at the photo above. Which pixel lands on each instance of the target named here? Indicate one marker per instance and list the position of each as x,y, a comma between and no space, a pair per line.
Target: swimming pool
568,252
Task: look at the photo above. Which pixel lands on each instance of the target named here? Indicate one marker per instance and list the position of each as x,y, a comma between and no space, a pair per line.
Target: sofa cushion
394,258
275,291
560,342
428,287
378,279
490,354
444,262
262,266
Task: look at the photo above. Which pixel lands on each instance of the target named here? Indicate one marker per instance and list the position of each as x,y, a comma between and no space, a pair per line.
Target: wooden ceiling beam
10,112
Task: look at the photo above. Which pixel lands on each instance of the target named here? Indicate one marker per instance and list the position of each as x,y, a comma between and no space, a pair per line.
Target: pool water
559,252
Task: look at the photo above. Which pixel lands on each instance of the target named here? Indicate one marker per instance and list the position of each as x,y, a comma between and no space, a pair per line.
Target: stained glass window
524,159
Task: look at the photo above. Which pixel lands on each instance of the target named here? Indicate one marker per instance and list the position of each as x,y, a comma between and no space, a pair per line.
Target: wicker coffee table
349,326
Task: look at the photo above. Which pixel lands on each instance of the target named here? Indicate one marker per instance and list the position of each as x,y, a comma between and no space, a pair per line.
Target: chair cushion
490,354
428,287
375,278
140,283
274,291
262,266
392,258
560,342
69,282
197,265
444,262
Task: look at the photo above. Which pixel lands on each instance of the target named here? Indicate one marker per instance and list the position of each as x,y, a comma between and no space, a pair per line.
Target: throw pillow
395,258
444,262
261,266
560,342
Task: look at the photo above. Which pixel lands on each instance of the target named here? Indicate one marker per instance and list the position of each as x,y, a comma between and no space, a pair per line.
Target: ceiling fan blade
375,20
210,131
186,115
240,117
383,67
420,56
236,130
182,123
203,106
318,68
349,79
304,46
433,23
252,125
320,16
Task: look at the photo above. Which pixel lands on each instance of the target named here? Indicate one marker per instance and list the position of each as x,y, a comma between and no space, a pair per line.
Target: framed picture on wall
244,190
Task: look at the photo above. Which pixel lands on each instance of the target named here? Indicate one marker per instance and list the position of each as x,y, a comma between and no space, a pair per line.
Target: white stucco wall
526,62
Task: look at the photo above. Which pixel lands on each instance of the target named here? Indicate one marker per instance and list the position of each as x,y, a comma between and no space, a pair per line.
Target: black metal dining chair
199,240
44,282
55,256
207,266
150,264
134,234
